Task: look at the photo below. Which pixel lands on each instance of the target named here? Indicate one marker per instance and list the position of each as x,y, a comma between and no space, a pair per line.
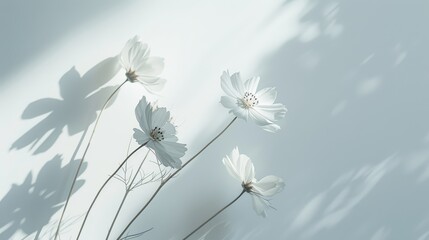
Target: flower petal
164,158
258,118
174,149
226,85
148,113
140,136
239,166
169,153
268,186
271,127
240,113
272,113
237,84
134,53
130,43
152,84
169,130
152,66
251,85
140,67
124,56
142,114
139,55
267,95
231,168
160,116
246,169
260,205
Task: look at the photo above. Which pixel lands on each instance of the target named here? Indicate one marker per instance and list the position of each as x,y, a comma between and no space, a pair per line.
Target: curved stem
141,210
83,157
127,191
172,175
208,220
198,153
104,184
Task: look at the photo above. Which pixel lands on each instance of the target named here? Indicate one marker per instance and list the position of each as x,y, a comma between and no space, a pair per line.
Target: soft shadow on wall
355,83
82,97
29,207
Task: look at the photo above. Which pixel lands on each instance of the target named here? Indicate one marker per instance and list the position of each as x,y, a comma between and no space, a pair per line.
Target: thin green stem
127,191
208,220
171,176
83,157
104,184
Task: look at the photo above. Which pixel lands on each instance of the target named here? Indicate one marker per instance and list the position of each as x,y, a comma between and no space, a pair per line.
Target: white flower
140,67
241,168
247,103
159,133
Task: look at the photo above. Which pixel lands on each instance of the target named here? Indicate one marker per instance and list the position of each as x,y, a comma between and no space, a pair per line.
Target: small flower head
244,101
241,168
159,133
140,66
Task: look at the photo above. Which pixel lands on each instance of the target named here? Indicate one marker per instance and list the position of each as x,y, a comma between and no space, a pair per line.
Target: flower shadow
354,89
81,97
356,92
29,206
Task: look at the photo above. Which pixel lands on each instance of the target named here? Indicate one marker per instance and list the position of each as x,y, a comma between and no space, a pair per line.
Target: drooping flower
140,66
247,103
241,168
159,133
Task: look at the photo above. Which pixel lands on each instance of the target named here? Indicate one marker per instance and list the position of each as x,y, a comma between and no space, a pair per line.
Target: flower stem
104,184
172,175
83,157
198,153
208,220
127,191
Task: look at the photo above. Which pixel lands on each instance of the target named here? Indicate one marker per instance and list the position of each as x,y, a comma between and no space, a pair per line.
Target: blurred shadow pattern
30,206
355,82
81,99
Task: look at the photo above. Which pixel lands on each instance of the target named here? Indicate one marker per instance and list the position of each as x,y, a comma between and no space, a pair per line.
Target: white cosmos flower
140,66
247,103
159,133
241,168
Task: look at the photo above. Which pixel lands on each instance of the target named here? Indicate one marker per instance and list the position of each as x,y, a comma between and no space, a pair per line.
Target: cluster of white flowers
158,133
242,98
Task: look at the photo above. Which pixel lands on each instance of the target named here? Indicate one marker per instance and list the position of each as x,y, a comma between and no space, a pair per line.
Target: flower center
131,75
247,186
157,134
249,100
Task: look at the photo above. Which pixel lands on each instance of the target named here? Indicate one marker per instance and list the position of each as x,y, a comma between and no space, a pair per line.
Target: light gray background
353,149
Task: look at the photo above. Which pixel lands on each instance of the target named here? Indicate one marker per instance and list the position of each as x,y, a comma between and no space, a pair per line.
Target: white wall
353,149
